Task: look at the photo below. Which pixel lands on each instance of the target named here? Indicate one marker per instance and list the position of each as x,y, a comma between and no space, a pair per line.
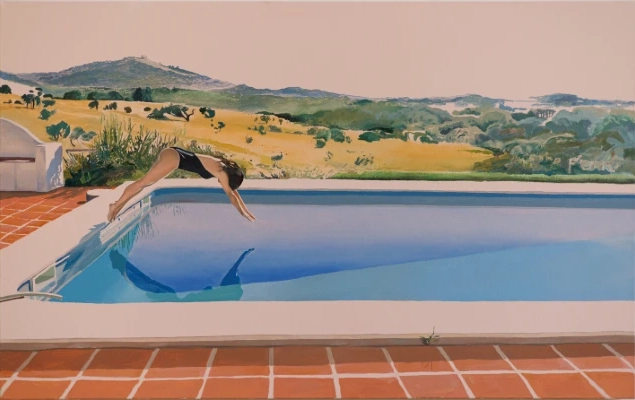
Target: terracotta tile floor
24,212
593,371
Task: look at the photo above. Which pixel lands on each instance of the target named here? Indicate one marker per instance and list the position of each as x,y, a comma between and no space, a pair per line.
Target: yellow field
299,152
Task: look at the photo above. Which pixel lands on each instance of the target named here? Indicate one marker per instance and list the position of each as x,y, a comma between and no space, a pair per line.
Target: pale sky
415,49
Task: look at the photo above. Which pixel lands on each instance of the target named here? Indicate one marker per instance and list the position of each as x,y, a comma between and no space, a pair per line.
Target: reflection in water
229,289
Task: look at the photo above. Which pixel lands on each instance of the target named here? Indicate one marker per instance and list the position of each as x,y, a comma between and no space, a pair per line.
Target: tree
207,112
320,143
94,104
5,89
58,131
261,130
173,110
128,110
91,96
30,99
144,95
220,126
46,114
73,95
80,135
111,106
48,103
112,95
48,96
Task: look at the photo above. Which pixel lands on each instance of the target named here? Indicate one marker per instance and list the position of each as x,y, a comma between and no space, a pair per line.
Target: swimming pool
190,245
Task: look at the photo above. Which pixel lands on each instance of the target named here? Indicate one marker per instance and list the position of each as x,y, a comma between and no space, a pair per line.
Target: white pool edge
31,320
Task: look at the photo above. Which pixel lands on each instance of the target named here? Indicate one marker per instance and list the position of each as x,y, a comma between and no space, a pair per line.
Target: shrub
111,106
323,134
298,133
94,104
320,143
119,155
58,131
338,136
128,110
79,134
48,103
48,96
147,109
277,157
261,130
207,112
273,128
249,139
369,137
46,114
73,95
5,89
144,95
17,102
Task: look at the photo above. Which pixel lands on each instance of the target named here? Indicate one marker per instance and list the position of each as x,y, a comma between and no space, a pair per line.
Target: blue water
365,247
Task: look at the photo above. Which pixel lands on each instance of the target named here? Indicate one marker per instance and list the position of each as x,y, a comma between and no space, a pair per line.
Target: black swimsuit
190,162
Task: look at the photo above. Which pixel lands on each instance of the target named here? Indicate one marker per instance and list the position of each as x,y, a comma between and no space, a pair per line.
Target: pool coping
280,322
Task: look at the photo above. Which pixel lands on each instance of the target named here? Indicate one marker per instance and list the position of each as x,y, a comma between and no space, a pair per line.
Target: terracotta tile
535,358
14,221
619,385
101,389
7,228
418,359
301,361
360,360
179,363
59,363
50,216
37,223
41,208
241,361
437,386
25,230
11,238
371,388
493,386
590,356
304,388
3,245
186,389
119,362
627,350
476,358
231,388
36,390
562,386
10,361
27,215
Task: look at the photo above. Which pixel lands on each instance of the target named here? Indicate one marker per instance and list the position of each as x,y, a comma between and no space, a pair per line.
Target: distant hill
571,100
286,92
126,73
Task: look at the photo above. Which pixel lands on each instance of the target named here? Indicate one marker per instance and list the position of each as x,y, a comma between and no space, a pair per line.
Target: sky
509,50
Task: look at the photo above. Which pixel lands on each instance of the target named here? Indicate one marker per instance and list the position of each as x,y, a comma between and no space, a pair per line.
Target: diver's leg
167,162
232,278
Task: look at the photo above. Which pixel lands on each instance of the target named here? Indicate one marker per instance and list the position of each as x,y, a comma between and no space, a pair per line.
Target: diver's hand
250,217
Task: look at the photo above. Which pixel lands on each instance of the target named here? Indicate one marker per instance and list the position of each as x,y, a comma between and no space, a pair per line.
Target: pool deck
591,371
565,350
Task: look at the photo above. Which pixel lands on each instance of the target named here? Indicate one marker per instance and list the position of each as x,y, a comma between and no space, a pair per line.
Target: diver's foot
113,210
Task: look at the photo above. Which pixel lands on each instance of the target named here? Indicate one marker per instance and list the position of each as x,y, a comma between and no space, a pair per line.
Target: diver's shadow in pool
230,287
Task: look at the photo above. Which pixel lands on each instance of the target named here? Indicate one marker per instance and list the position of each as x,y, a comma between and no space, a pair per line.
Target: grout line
271,378
14,376
208,368
392,365
618,354
521,376
336,378
458,373
346,376
81,372
143,374
591,381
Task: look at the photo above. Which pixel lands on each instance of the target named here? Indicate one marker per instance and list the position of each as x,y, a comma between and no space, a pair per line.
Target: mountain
129,72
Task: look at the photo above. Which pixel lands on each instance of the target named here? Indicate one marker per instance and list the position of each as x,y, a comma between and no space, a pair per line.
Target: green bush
320,143
73,95
46,114
147,109
273,128
48,103
128,110
58,131
369,137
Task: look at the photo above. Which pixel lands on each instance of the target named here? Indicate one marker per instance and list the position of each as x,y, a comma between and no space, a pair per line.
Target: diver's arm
234,197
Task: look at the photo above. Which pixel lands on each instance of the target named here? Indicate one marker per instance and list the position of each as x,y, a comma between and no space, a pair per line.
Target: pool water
196,247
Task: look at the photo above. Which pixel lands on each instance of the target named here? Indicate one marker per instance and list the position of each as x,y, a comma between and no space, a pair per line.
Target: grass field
300,157
486,177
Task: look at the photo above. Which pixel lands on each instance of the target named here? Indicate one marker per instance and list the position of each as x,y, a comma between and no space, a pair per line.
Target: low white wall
43,175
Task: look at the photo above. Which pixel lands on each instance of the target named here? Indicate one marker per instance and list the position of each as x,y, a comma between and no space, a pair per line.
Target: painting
217,199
